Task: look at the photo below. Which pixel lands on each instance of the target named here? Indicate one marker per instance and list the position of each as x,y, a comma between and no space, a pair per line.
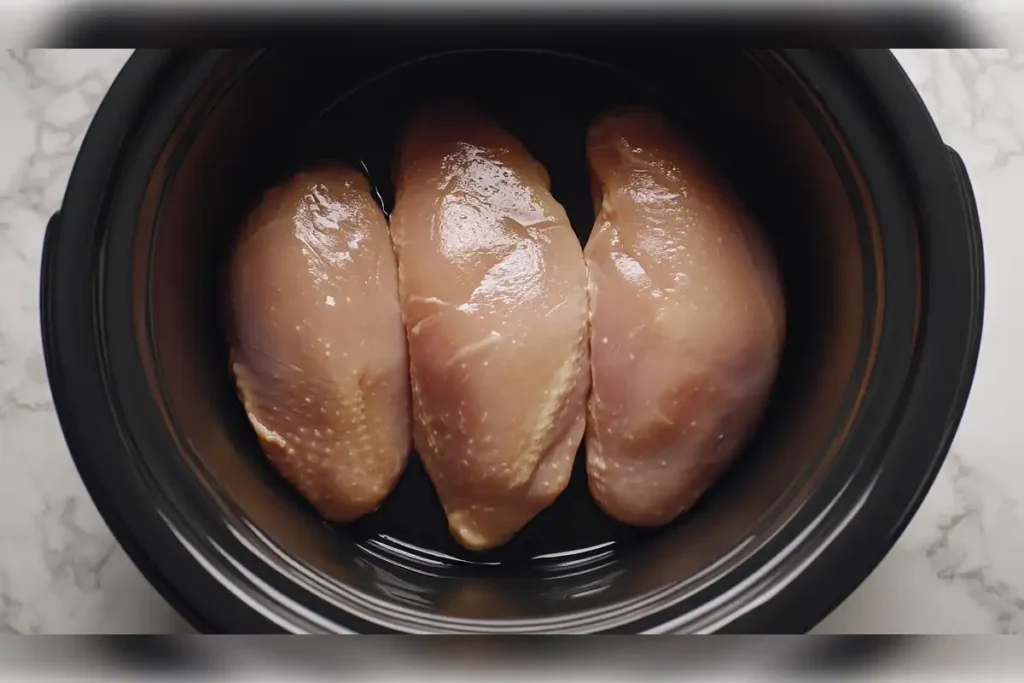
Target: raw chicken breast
319,353
687,321
493,288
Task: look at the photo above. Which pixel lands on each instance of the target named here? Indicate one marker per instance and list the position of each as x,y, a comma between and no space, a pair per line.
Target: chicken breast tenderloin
687,321
319,349
493,288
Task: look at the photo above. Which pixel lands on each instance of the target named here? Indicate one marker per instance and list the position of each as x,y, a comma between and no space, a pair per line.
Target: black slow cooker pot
870,213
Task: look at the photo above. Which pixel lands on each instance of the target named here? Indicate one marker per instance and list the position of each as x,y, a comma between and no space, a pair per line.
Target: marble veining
959,567
60,569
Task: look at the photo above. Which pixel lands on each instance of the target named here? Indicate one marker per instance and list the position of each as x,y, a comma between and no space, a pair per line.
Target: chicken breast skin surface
493,288
687,321
319,350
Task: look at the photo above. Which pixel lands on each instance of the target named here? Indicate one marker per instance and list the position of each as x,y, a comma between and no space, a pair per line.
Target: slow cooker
871,216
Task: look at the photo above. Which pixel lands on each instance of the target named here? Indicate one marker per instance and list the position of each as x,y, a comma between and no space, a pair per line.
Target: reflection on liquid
563,575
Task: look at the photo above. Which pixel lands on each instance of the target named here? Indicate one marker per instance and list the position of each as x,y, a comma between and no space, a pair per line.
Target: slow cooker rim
134,78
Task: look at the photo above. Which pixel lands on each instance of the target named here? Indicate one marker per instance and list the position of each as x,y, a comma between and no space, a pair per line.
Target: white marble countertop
959,568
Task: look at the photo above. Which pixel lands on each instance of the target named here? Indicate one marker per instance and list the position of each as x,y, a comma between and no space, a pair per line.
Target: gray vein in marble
958,554
963,92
